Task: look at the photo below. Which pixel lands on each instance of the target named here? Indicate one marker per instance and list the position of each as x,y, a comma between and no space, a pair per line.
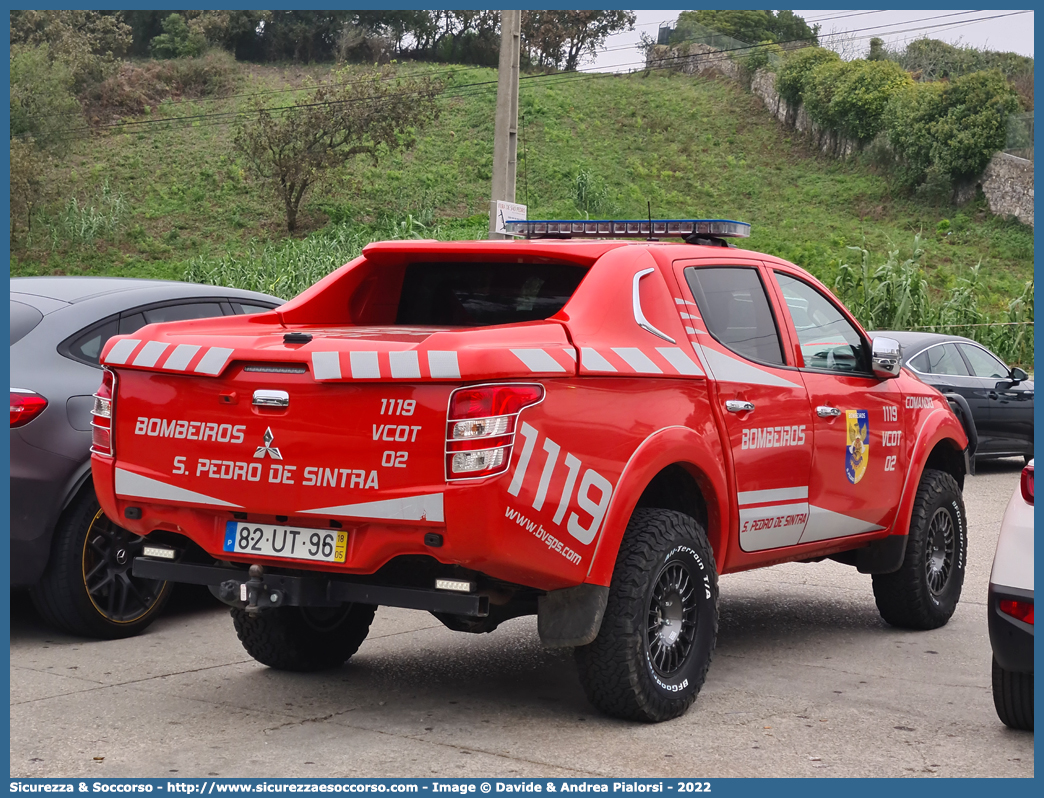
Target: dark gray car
1000,398
62,546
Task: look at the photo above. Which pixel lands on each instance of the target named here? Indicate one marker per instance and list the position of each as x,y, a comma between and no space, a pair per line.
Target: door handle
825,411
738,406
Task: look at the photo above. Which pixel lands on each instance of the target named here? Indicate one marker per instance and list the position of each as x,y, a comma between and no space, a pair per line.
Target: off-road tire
1013,697
84,590
919,595
304,638
616,669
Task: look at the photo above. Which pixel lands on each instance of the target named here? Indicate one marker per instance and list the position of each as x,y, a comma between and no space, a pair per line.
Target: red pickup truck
574,425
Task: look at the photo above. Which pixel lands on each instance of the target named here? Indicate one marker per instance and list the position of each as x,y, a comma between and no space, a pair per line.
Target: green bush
949,131
177,41
766,54
798,65
42,100
851,96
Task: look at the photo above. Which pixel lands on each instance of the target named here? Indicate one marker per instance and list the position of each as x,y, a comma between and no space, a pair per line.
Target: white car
1011,610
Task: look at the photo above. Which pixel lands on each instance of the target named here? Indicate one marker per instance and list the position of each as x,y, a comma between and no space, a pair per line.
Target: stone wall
693,59
1007,181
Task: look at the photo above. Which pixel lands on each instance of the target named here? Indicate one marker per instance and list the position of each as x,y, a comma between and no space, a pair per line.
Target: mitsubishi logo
268,448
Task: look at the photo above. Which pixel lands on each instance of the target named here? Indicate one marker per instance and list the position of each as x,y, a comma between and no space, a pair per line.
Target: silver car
75,560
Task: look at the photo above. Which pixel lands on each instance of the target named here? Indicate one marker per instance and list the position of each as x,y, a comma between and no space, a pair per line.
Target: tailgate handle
269,398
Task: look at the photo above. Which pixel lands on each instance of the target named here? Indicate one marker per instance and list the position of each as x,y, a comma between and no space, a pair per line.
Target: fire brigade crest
857,448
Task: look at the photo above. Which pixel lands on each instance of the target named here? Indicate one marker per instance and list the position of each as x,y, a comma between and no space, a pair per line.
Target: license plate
319,545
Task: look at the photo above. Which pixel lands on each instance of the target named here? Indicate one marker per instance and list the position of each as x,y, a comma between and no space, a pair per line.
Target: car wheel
304,638
87,588
924,592
653,649
1013,697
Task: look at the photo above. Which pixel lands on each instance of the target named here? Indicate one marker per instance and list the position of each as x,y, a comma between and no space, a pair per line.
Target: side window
946,359
87,345
920,363
245,309
736,311
195,310
827,339
984,364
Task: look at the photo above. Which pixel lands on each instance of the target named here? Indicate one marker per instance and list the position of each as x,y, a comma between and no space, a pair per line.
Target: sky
1007,31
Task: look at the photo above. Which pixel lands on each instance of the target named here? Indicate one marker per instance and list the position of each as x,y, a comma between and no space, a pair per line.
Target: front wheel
653,649
924,592
304,638
88,588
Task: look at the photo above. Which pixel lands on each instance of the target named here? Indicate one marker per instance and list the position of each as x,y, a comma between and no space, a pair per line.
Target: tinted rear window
482,294
23,319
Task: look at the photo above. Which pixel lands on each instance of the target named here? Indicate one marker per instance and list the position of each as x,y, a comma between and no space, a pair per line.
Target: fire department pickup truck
575,425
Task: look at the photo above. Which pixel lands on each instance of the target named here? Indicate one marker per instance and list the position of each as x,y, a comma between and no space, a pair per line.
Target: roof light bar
628,228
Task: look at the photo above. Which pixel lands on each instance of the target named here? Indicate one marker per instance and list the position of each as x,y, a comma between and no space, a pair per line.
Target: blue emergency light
628,228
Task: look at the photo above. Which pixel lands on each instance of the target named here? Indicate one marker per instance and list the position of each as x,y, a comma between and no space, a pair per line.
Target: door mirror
1017,375
887,358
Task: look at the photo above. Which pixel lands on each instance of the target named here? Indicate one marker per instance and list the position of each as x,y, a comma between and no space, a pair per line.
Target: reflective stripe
773,495
326,365
538,360
405,365
149,354
181,357
637,359
364,366
570,351
730,369
690,316
592,361
427,507
824,524
677,358
213,361
121,350
136,486
690,330
443,365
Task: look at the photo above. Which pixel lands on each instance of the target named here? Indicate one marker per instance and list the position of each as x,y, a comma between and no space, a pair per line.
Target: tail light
480,427
25,406
1027,484
101,421
1020,610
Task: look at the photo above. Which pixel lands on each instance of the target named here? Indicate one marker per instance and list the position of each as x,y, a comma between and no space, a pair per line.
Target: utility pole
505,134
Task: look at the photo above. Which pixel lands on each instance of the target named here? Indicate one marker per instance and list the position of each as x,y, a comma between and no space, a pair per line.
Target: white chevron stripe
730,369
149,354
213,361
364,366
139,487
181,357
538,360
409,508
326,365
682,362
637,359
691,331
592,361
824,524
404,365
570,351
690,316
443,365
772,495
121,350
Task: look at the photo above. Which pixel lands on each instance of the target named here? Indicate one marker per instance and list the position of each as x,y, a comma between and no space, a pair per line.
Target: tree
28,167
88,43
42,101
177,40
562,39
295,148
746,26
877,50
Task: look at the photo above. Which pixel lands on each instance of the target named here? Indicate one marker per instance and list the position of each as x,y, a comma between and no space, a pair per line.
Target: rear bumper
1011,639
271,590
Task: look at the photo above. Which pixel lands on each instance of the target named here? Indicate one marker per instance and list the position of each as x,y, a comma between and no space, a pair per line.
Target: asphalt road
806,681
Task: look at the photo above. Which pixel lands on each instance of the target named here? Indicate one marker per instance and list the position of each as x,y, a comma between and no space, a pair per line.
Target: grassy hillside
152,199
